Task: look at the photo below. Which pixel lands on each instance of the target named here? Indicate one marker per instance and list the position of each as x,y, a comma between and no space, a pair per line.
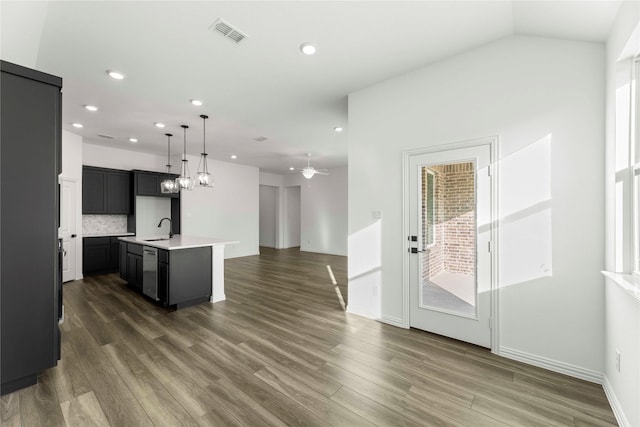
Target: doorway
450,203
291,217
268,207
68,227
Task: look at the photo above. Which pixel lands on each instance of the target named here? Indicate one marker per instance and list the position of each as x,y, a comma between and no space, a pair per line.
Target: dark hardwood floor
279,351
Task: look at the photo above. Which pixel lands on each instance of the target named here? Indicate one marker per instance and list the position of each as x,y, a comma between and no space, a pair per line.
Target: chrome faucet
170,226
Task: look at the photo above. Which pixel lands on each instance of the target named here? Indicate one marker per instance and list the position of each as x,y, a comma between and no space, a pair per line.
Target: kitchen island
179,271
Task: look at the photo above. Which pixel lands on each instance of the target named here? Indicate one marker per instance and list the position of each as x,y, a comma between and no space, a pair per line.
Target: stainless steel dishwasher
150,272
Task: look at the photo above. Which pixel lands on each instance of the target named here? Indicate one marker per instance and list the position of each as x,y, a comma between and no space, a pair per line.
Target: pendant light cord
168,165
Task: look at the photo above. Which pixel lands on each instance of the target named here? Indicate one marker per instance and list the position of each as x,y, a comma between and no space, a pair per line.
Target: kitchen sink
156,240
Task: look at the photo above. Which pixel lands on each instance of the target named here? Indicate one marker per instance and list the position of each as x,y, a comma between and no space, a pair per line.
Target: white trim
616,407
322,252
393,321
552,365
362,312
494,172
492,142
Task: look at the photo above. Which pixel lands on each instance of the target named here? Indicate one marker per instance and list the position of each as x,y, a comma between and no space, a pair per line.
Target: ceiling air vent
105,136
227,30
260,138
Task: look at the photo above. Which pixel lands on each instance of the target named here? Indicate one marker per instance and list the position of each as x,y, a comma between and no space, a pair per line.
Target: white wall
116,158
149,212
622,313
542,97
229,211
72,168
269,200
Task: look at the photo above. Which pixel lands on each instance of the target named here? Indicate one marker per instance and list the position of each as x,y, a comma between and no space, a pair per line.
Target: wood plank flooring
280,351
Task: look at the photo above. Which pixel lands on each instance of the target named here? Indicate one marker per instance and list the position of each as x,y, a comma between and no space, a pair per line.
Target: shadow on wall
525,214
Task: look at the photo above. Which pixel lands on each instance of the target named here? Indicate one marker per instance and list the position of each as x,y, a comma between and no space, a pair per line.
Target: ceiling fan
309,171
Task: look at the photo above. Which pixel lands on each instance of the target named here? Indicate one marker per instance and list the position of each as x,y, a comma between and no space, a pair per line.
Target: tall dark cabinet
30,286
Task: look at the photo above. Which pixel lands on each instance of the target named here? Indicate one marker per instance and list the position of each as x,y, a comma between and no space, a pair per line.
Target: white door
450,260
68,232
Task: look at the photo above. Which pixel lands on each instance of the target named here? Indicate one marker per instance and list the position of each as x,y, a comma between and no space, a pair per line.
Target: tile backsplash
102,224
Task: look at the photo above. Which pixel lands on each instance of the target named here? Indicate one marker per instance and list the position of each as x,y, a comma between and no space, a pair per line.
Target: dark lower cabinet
189,279
184,275
134,266
122,256
29,205
163,281
100,255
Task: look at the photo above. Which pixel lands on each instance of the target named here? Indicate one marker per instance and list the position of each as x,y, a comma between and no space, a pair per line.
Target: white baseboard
321,252
218,299
552,365
361,312
615,403
393,321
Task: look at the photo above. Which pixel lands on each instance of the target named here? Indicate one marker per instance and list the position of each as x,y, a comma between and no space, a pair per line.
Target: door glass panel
448,223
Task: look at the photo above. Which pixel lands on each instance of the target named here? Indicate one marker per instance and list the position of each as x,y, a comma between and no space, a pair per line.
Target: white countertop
179,242
108,234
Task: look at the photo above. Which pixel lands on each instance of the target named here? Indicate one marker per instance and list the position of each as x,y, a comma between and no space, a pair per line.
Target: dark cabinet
148,183
29,204
184,275
94,191
105,191
163,281
134,266
118,192
122,256
100,255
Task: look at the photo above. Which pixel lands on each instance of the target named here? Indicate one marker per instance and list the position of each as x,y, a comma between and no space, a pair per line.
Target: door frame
77,215
492,142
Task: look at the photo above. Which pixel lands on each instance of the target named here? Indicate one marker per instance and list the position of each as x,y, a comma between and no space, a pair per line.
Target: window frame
425,242
634,163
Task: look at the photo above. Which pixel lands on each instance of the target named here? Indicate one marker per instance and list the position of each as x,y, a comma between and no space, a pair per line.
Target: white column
217,273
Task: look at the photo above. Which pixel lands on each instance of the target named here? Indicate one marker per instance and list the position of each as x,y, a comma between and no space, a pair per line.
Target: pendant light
204,178
168,185
184,181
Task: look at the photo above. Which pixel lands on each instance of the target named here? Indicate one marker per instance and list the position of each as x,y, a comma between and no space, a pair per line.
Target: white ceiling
264,86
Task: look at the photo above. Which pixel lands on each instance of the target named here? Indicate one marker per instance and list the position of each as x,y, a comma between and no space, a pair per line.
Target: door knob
73,236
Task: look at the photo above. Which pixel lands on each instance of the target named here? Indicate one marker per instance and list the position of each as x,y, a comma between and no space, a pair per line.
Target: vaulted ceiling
262,87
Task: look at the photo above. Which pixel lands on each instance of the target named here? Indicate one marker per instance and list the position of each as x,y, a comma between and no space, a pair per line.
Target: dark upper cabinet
118,192
148,183
105,191
31,131
94,191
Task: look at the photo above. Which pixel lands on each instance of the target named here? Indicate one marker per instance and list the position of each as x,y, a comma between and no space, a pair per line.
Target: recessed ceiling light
159,125
77,125
115,75
292,168
196,102
91,107
338,129
233,156
307,48
133,139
